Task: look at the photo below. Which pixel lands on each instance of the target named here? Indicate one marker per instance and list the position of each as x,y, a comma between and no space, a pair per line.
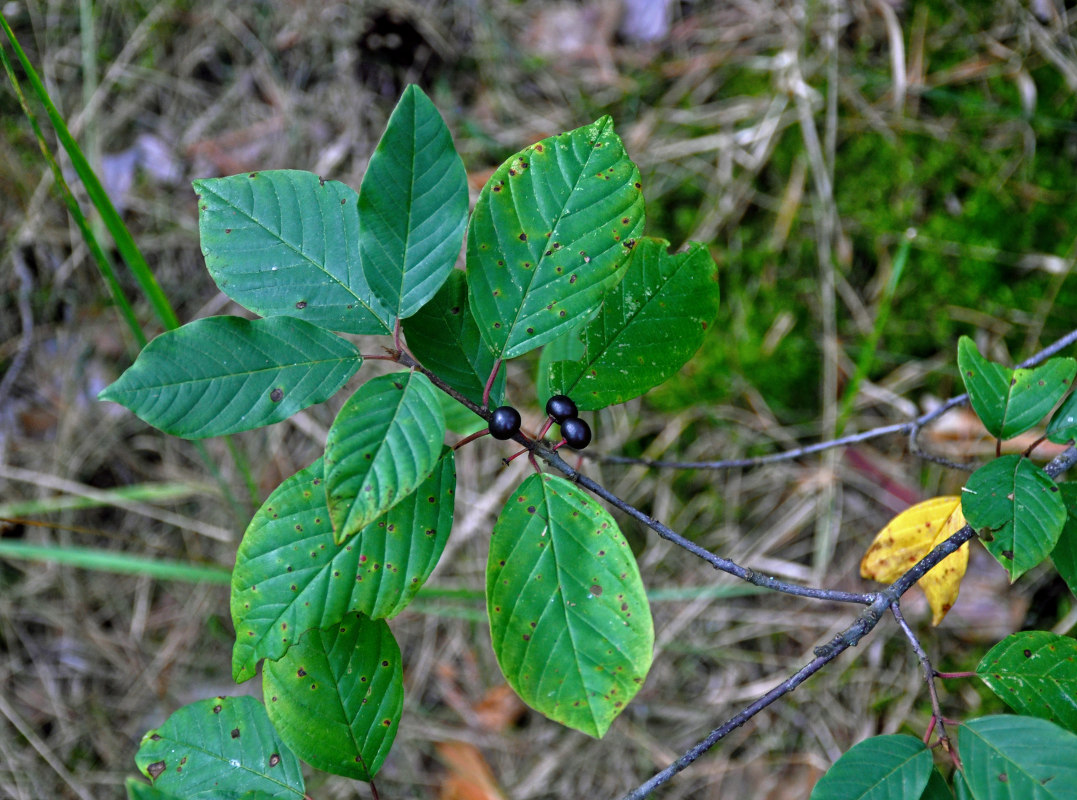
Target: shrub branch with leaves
555,258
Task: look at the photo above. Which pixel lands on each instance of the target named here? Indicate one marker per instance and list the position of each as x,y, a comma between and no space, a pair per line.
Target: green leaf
1008,757
1017,509
220,748
1063,425
226,374
137,790
1011,401
1065,553
1035,673
459,419
567,348
336,696
880,768
287,242
412,207
550,235
444,337
290,576
650,324
569,618
961,787
384,442
937,789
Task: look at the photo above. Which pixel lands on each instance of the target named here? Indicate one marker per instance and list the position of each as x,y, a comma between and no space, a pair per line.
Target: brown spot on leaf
155,769
276,395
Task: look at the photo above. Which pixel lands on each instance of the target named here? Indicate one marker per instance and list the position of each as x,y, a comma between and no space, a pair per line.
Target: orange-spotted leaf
910,536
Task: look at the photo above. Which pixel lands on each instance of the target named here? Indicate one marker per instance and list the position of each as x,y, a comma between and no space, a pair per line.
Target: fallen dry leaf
470,777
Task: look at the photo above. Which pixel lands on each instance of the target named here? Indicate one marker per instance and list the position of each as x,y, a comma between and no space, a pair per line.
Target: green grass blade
125,243
113,561
139,492
104,264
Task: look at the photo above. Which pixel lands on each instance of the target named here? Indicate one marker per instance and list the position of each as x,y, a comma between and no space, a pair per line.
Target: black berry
576,432
560,407
506,423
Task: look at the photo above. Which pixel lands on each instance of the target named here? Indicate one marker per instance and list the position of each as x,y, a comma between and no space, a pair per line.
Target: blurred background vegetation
875,178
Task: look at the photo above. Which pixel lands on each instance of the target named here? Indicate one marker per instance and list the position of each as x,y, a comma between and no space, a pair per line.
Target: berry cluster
576,432
505,423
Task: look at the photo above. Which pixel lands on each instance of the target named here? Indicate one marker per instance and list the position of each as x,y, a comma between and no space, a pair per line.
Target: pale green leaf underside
444,337
649,325
1008,757
569,619
222,747
222,375
566,347
336,696
892,767
1035,673
1063,425
384,442
290,576
1021,509
1064,555
549,236
412,207
1011,401
287,242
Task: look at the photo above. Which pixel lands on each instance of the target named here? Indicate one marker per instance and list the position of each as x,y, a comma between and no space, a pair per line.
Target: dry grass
89,661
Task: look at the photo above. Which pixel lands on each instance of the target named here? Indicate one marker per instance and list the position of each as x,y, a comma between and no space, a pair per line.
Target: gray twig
850,637
911,429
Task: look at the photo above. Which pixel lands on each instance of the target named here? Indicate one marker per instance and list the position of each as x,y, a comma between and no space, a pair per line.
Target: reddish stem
490,384
471,438
548,424
514,456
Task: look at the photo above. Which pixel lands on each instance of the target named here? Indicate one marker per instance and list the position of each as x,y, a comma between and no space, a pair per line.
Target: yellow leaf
909,537
943,581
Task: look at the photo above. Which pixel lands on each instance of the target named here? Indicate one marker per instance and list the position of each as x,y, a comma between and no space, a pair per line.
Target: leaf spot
155,769
276,395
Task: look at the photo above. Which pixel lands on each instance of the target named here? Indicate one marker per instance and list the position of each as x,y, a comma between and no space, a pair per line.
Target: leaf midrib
553,228
295,249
